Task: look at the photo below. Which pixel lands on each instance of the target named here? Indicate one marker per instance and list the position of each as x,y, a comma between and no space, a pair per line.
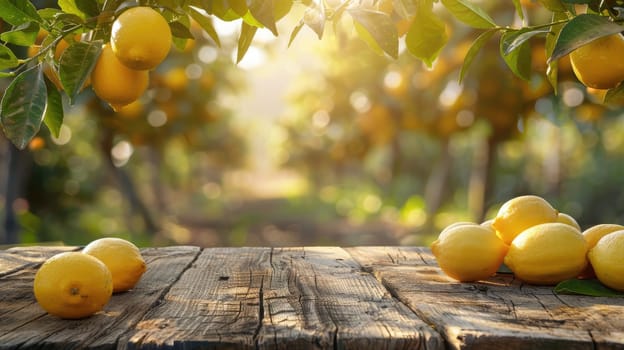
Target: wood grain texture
319,297
215,303
498,311
31,327
307,298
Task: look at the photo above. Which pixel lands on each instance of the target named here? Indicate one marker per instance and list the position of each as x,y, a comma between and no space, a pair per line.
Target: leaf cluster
34,97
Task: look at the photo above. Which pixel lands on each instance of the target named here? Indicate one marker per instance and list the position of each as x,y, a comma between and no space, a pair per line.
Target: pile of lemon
536,242
140,41
75,285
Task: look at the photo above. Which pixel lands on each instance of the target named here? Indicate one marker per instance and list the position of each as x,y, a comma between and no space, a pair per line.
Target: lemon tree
31,98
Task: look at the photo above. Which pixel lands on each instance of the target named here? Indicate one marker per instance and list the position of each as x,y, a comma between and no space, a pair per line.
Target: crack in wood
257,331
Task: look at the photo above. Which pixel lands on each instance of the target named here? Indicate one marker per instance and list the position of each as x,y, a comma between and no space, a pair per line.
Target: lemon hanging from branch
115,83
598,64
141,38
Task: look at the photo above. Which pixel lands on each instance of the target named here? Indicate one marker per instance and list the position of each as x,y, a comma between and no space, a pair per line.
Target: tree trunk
17,173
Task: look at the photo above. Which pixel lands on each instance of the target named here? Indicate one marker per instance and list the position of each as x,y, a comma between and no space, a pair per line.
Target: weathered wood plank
319,297
32,328
17,258
498,311
215,303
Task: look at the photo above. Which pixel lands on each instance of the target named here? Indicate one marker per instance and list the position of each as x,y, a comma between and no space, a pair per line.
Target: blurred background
323,142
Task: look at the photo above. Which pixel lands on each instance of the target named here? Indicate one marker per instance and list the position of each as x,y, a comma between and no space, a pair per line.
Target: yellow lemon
568,219
547,253
592,235
115,83
468,252
456,224
598,64
595,233
73,285
520,213
141,38
122,258
607,258
488,224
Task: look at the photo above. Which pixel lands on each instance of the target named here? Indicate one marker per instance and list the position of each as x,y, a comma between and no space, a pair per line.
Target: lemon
520,213
488,224
122,258
468,252
595,233
141,38
73,285
568,219
115,83
592,235
547,253
598,64
456,224
607,259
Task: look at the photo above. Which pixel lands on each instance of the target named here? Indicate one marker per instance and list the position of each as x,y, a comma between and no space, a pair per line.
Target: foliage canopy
31,97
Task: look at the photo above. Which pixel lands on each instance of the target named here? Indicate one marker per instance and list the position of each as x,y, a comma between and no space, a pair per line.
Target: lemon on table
547,254
592,235
73,285
595,233
607,259
468,252
122,258
141,38
520,213
568,219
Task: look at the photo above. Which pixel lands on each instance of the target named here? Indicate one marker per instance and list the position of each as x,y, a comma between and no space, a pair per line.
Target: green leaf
16,12
245,39
223,10
23,106
476,46
378,30
519,10
552,71
81,8
53,117
469,13
7,58
504,269
314,18
615,95
405,8
516,38
205,23
281,8
262,11
48,14
518,60
180,30
239,6
582,30
76,65
23,35
294,33
69,18
426,36
591,287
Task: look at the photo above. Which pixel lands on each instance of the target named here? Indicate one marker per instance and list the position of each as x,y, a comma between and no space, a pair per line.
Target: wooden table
309,297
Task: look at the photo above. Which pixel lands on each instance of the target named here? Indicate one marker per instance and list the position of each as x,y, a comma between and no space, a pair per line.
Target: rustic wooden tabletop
308,297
